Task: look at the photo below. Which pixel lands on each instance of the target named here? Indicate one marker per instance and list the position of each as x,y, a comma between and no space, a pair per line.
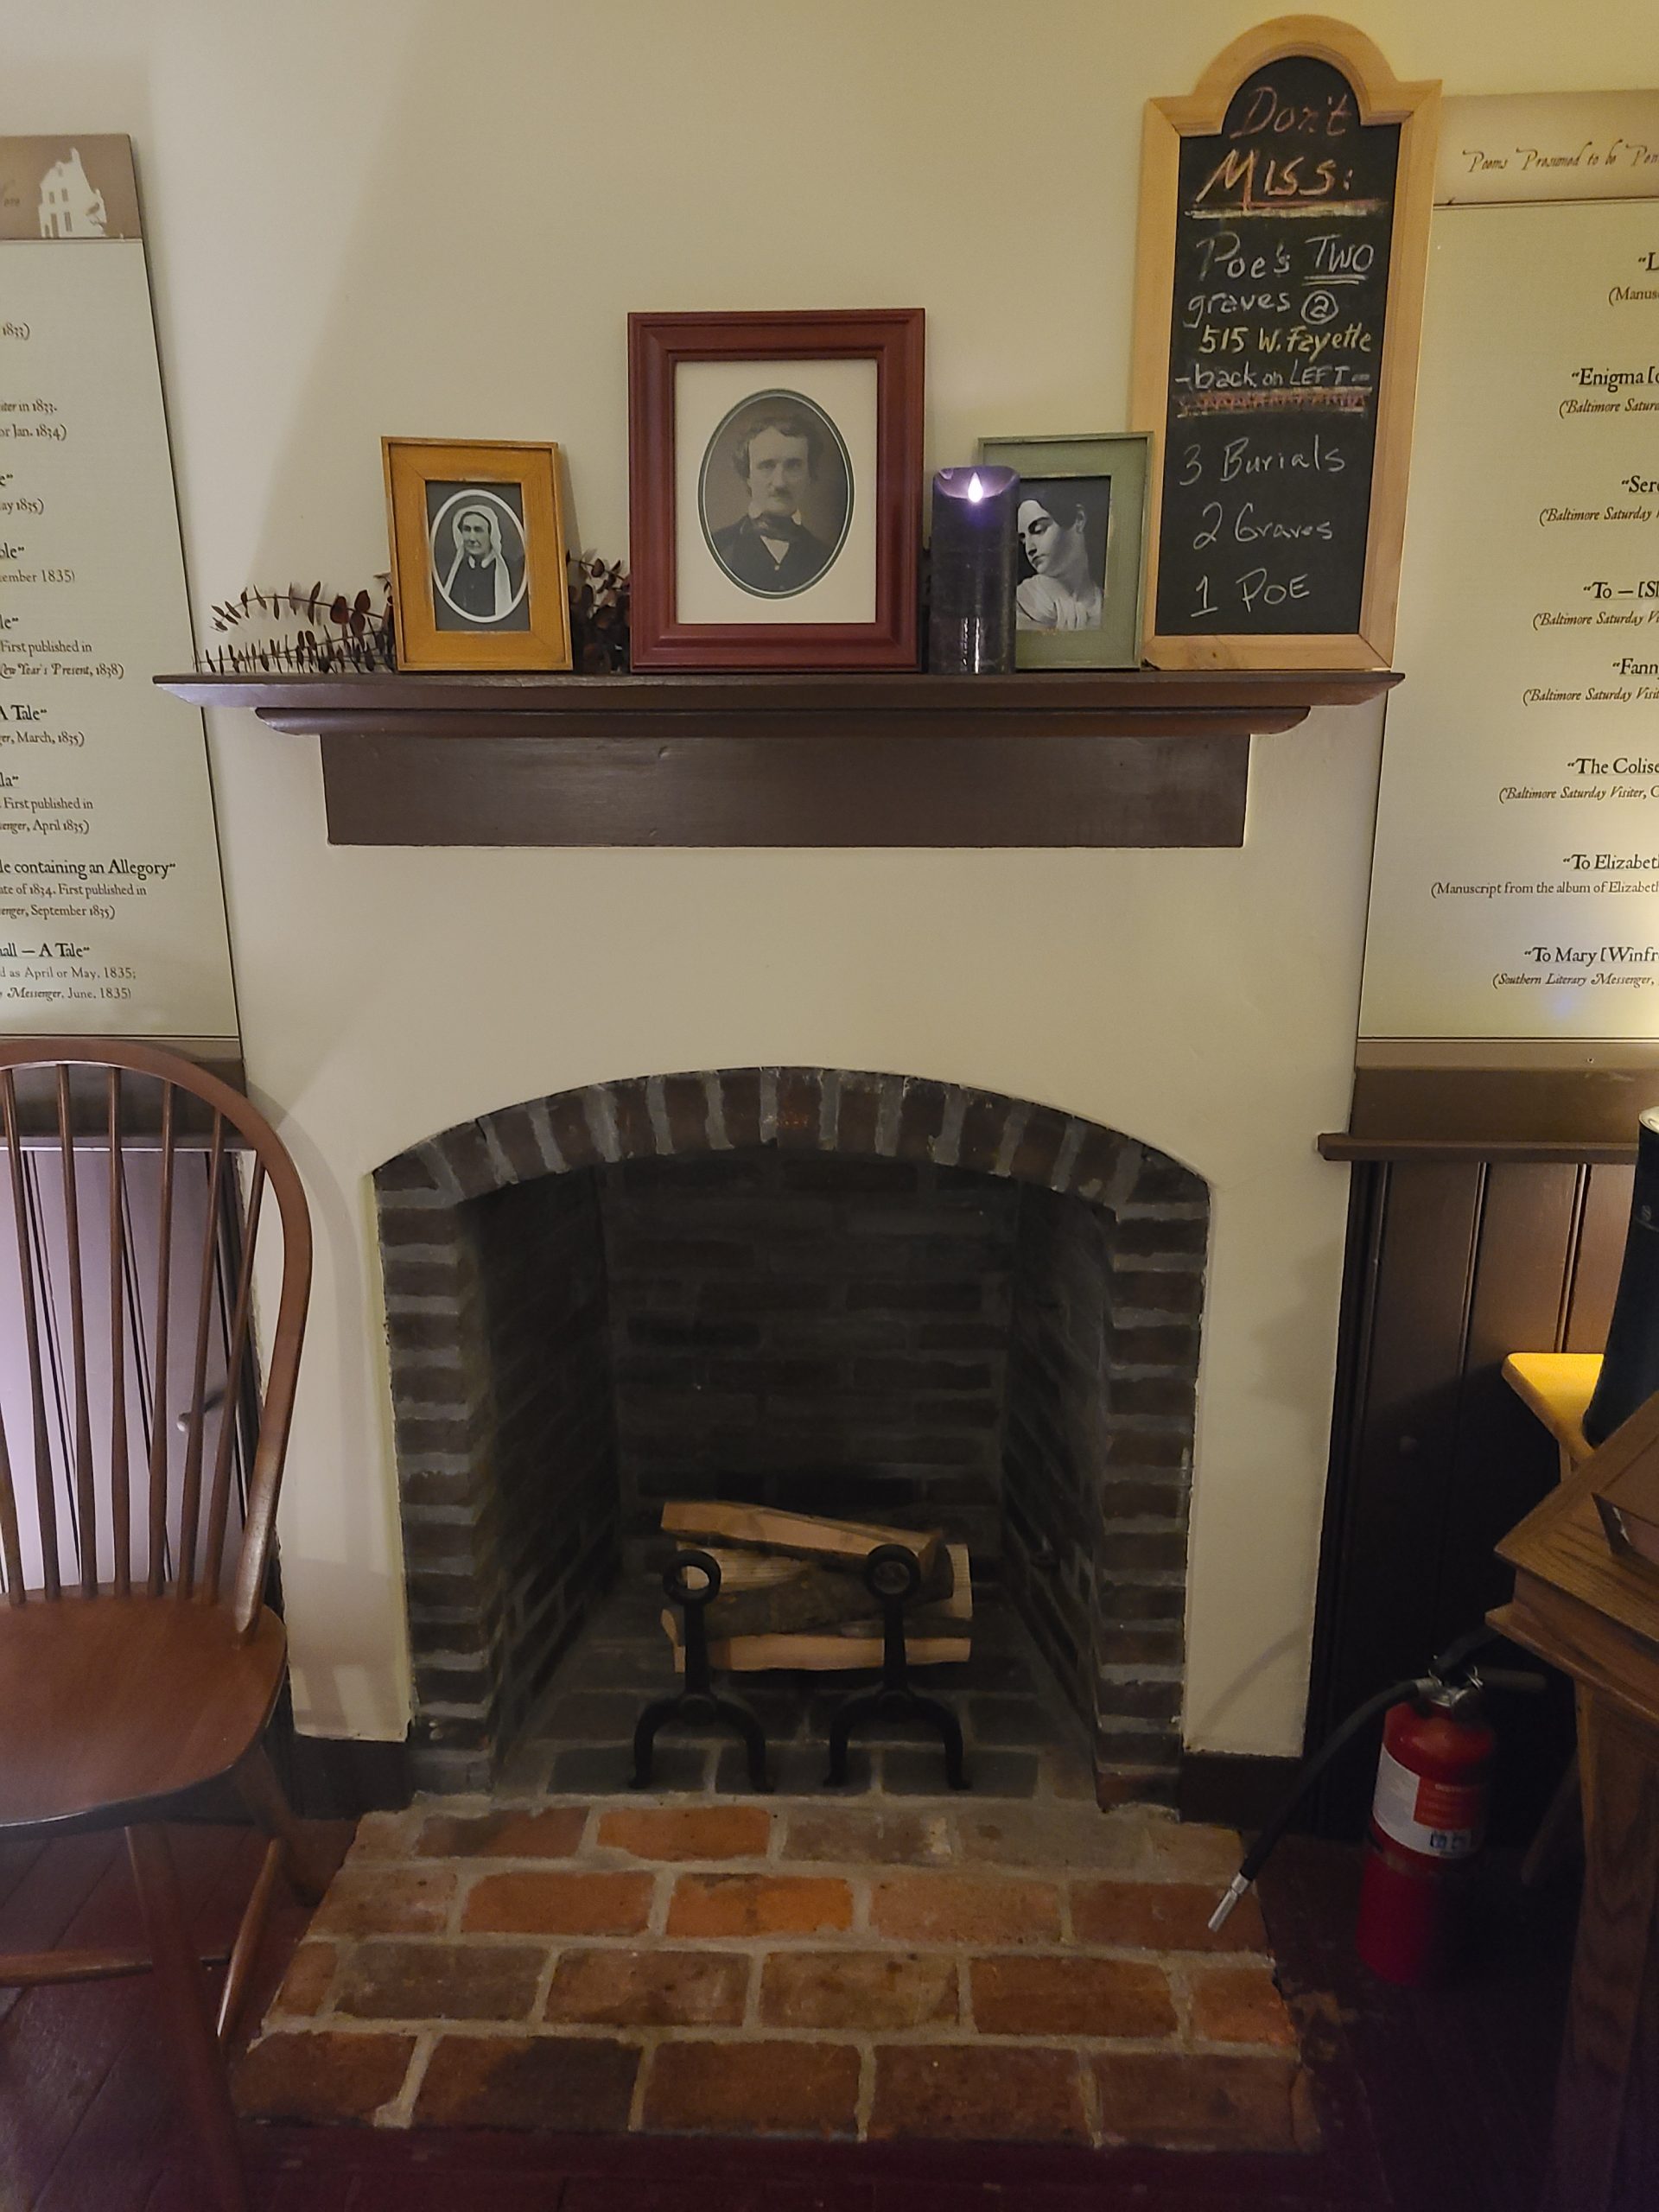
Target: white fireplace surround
1203,1002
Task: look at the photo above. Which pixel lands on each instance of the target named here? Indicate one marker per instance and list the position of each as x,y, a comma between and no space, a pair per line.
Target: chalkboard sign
1283,243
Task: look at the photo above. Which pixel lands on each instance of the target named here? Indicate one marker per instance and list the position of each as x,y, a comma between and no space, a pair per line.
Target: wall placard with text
111,905
1284,223
1515,898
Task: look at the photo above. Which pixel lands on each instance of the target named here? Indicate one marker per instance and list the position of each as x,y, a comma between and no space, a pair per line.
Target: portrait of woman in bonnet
479,578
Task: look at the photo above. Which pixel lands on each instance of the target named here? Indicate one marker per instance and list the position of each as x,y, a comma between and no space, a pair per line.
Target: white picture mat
1466,880
704,394
138,779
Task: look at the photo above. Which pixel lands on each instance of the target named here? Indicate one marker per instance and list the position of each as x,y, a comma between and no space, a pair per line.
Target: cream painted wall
421,219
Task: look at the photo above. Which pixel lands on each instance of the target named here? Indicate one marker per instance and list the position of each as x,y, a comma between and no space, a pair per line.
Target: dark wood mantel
1111,757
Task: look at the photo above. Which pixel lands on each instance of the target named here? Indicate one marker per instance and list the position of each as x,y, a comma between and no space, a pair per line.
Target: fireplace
826,1290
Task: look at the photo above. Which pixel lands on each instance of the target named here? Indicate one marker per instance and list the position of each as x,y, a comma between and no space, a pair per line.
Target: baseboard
340,1778
337,1778
1235,1790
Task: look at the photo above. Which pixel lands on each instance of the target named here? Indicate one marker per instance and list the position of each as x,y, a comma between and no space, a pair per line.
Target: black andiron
892,1578
699,1700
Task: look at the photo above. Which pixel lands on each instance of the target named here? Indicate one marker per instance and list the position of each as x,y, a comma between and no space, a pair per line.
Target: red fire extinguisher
1428,1815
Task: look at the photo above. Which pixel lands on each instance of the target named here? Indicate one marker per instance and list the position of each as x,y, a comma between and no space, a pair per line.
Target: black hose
1259,1853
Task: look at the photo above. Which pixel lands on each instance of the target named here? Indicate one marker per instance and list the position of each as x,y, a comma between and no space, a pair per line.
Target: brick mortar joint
1093,2119
852,1942
737,2036
645,2037
434,1207
417,1357
642,2075
545,1983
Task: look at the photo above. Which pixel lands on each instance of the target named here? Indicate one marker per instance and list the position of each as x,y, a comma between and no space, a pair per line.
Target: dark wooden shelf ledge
1531,1114
1526,1152
1095,758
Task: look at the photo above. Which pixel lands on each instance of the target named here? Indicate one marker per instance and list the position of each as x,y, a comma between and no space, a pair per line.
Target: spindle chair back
155,1218
139,1450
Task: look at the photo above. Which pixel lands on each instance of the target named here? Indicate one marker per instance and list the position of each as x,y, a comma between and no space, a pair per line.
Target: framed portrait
774,466
1082,521
478,560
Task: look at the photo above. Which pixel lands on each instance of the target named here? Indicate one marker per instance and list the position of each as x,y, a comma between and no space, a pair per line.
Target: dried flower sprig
599,615
335,635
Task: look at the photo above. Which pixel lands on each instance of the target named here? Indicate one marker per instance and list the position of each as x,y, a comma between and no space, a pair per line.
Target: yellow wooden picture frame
515,489
1380,98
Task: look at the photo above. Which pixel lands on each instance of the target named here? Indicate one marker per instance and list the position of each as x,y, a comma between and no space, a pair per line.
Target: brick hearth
889,1960
984,1971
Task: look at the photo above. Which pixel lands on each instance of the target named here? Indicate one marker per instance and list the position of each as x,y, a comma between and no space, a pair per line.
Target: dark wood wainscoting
1451,1265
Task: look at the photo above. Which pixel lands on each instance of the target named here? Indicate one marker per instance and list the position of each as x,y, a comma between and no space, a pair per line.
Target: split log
798,1535
937,1636
802,1596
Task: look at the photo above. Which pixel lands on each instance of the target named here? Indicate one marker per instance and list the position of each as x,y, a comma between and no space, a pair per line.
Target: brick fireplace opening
826,1290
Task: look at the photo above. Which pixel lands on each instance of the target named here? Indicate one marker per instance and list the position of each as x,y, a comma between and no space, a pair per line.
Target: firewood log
806,1597
800,1536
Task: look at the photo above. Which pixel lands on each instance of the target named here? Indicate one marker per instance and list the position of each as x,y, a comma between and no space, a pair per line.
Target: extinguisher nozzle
1229,1897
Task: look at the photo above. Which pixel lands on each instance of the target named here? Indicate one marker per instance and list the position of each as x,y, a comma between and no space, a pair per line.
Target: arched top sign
1283,245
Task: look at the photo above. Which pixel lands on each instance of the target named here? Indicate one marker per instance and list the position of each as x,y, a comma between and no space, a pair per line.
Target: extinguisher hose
1261,1850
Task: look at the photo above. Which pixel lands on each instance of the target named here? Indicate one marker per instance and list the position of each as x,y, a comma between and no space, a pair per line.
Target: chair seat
107,1702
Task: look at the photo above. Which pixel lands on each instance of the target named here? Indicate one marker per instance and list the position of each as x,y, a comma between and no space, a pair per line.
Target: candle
970,628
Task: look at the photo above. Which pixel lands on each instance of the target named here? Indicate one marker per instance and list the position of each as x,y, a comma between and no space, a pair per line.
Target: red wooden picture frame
893,338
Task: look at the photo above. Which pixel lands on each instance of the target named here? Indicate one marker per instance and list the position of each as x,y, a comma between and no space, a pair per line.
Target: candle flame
976,489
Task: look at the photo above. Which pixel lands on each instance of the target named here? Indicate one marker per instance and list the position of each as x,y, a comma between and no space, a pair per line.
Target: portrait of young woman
1062,554
1080,519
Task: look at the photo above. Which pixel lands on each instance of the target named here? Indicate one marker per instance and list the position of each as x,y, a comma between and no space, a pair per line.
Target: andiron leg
893,1576
699,1700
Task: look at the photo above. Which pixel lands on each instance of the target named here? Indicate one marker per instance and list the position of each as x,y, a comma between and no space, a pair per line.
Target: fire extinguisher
1428,1814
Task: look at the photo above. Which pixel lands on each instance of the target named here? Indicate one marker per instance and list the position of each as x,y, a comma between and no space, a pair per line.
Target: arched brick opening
499,1329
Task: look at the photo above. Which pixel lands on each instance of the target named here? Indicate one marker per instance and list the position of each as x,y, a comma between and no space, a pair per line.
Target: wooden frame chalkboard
1283,245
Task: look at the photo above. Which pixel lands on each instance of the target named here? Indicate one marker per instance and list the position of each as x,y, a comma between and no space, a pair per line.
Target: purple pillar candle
970,624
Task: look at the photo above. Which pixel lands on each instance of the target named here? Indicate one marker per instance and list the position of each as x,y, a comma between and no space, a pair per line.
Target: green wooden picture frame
1121,463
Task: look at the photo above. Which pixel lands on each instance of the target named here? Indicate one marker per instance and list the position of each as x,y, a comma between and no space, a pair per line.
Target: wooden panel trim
1056,692
1338,1145
1368,1192
1090,758
1521,1054
1450,1263
1233,1790
619,731
1041,790
1588,1111
338,1778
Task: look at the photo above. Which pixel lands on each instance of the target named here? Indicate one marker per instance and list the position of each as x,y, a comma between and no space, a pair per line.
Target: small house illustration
72,207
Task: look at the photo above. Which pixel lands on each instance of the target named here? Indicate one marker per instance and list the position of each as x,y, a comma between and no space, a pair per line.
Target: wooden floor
1428,2104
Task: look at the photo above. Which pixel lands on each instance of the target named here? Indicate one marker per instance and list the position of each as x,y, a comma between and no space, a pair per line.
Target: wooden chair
140,1460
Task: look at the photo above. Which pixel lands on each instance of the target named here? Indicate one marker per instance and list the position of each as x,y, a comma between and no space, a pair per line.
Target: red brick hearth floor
993,1971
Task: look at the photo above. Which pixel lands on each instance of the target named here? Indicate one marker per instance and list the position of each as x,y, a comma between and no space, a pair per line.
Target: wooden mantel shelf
1110,757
